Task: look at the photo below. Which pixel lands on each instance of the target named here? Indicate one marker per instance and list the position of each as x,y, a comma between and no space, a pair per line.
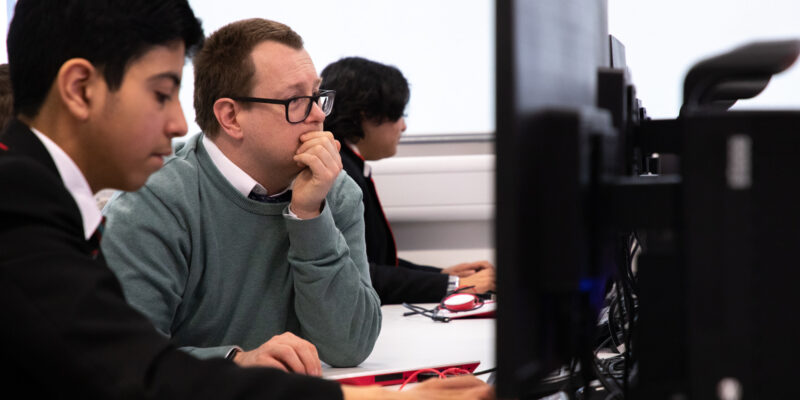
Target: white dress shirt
75,183
367,167
239,179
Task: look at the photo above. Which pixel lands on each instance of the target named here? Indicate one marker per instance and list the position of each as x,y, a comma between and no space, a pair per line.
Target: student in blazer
368,119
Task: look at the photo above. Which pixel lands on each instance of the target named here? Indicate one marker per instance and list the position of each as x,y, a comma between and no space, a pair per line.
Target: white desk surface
417,341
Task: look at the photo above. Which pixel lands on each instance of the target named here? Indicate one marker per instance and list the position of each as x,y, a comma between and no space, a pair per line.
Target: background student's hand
466,269
319,153
285,352
483,281
455,388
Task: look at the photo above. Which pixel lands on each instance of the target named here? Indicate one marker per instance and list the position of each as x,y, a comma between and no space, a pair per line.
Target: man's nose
316,115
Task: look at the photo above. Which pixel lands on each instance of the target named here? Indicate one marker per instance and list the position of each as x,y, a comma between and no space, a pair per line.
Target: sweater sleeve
146,248
336,305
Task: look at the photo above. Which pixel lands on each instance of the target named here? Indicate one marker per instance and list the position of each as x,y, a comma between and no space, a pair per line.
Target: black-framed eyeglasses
298,108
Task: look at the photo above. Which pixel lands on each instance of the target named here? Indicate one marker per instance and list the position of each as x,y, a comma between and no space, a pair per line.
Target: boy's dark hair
110,34
225,68
365,90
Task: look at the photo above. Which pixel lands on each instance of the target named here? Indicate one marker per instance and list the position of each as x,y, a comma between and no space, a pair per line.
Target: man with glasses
249,243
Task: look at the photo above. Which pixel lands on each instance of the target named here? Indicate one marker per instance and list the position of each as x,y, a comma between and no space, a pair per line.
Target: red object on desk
485,310
386,378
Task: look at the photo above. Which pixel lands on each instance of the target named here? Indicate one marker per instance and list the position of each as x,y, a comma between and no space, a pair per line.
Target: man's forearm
338,313
338,309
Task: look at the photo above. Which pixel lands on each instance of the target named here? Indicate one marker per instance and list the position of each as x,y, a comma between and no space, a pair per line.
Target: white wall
441,208
663,39
5,12
445,48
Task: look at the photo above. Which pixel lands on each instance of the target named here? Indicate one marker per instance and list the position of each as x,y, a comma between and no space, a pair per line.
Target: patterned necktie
96,237
281,198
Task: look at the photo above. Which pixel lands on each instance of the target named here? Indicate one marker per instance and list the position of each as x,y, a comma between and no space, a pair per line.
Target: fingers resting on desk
286,352
483,281
469,268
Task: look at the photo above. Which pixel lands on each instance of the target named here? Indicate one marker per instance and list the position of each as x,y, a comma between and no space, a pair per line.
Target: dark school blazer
395,280
67,330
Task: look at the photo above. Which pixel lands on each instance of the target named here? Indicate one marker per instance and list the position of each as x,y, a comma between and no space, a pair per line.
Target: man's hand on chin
319,153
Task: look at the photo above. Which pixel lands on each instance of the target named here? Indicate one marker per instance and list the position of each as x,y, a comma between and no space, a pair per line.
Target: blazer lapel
18,139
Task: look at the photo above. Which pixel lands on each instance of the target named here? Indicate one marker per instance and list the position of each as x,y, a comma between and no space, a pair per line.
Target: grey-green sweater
213,269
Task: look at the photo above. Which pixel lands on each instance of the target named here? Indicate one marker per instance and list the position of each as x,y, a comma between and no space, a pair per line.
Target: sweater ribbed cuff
311,238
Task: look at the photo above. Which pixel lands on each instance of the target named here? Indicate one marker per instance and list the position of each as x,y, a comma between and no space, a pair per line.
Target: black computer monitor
715,283
554,147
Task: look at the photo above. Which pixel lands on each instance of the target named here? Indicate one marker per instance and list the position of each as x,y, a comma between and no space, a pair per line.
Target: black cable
630,251
616,318
424,311
631,299
637,245
486,371
415,309
613,389
610,385
612,321
623,312
604,369
603,344
624,295
621,318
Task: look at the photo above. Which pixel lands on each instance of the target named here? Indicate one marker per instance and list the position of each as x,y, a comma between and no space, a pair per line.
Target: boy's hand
464,270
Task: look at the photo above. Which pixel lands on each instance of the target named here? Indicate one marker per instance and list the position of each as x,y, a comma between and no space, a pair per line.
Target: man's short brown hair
224,67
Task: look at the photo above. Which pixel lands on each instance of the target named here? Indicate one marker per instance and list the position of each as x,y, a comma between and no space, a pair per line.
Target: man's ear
74,86
227,112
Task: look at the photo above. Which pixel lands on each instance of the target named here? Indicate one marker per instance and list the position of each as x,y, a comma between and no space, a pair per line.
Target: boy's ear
227,112
74,85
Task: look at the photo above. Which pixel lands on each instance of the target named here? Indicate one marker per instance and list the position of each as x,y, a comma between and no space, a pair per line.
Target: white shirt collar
75,183
367,167
240,180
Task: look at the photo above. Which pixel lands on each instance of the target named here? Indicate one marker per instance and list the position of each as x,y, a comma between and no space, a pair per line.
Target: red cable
441,374
414,375
455,371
